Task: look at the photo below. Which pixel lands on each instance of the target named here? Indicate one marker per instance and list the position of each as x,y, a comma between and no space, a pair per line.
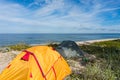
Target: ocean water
10,39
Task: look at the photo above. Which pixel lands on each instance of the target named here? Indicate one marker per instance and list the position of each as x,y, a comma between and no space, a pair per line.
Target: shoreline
87,42
93,41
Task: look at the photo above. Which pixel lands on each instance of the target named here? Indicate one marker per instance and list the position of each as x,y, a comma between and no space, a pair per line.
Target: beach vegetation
108,54
19,46
94,72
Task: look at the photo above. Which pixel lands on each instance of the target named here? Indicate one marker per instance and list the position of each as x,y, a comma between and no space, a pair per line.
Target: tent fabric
37,63
69,49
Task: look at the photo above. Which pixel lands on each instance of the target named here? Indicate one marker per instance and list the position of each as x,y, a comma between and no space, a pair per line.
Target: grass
108,53
19,46
97,72
94,72
113,43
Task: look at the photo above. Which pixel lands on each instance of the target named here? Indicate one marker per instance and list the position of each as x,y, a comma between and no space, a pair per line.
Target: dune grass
94,72
19,46
108,53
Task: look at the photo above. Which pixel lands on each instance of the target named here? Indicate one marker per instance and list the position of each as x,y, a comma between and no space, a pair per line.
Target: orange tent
37,63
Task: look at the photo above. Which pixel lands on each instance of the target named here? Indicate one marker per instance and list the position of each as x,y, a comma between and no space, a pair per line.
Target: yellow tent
37,63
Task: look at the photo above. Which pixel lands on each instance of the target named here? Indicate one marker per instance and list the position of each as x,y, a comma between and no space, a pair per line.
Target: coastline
43,39
87,42
93,41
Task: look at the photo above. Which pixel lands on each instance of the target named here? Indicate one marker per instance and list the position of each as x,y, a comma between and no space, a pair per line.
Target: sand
6,57
93,41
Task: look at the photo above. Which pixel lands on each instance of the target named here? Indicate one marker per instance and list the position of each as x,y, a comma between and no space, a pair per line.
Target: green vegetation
94,72
107,64
19,47
113,43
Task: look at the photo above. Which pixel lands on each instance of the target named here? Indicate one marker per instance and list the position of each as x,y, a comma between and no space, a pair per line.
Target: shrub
19,47
96,72
108,51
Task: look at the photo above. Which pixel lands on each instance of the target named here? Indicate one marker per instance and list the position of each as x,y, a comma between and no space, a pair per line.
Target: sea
11,39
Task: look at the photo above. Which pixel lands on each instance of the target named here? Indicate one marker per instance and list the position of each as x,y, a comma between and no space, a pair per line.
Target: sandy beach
93,41
80,42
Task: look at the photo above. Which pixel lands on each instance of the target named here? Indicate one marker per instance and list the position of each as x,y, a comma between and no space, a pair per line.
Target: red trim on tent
9,66
54,73
26,57
31,75
53,49
60,57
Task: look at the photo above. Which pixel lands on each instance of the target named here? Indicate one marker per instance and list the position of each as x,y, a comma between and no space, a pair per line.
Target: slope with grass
107,64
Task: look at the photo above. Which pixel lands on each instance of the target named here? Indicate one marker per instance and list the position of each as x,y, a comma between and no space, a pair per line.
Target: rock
4,49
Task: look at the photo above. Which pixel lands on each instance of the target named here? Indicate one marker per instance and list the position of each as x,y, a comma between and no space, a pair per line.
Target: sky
59,16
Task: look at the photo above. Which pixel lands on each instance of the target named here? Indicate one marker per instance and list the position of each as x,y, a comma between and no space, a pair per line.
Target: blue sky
59,16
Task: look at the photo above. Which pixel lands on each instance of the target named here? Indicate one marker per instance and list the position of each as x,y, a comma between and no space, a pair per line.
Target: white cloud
71,17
